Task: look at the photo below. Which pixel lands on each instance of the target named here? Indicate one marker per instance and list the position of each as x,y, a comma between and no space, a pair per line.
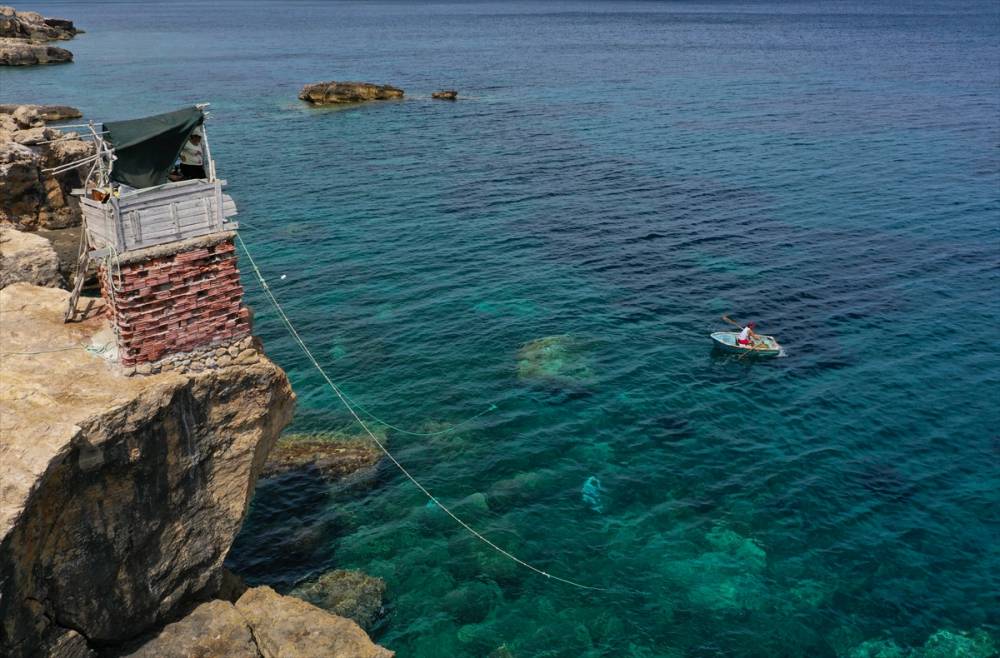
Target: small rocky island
341,93
445,95
25,37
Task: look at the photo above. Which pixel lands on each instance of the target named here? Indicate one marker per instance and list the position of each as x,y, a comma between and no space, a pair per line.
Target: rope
452,428
93,349
67,136
57,349
344,400
71,165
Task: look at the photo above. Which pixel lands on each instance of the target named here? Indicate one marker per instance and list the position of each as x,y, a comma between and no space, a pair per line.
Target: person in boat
747,336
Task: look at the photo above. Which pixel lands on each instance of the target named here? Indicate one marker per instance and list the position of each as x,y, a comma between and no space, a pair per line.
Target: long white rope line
343,399
71,165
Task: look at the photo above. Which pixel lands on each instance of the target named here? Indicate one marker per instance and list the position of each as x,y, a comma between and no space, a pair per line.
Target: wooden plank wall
159,216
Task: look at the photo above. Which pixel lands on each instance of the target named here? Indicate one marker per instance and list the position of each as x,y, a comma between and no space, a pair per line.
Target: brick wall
177,302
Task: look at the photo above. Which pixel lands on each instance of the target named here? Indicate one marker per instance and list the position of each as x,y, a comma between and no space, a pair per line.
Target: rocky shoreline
124,490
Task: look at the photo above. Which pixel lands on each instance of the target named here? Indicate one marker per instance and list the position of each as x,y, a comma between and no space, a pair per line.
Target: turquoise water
615,177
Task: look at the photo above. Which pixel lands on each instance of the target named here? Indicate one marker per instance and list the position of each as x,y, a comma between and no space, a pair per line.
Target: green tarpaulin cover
147,148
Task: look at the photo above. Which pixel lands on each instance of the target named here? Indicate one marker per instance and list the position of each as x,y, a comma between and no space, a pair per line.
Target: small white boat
761,346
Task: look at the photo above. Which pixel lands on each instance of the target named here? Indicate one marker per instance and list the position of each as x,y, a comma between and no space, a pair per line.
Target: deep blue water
618,173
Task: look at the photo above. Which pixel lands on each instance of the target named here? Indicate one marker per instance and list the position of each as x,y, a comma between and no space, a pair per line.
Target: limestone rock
445,95
213,629
286,627
32,26
336,93
23,37
120,496
334,456
28,258
67,644
21,192
31,197
19,52
350,594
46,112
66,242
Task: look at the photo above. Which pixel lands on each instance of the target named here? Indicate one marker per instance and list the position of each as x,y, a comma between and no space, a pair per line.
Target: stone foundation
176,299
244,352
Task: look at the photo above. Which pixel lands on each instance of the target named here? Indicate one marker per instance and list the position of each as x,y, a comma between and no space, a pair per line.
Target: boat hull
726,341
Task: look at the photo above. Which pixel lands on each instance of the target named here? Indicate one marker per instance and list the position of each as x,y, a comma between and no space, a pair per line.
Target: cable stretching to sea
298,339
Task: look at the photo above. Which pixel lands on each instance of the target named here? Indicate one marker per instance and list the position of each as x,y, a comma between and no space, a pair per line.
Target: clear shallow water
620,173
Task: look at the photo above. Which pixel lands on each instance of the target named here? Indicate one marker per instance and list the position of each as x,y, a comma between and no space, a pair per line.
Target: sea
515,291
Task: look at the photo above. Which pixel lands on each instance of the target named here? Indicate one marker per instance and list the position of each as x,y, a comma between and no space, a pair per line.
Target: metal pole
208,154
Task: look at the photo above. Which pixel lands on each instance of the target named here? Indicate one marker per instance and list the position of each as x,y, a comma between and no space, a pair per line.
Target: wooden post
81,274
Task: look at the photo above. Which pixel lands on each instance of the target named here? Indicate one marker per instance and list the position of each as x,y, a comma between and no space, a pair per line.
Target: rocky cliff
30,197
120,497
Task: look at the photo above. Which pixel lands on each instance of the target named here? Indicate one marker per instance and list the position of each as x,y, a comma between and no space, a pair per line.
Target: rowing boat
762,345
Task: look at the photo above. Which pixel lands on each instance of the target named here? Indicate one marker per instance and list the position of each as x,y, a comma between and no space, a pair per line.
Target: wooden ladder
81,273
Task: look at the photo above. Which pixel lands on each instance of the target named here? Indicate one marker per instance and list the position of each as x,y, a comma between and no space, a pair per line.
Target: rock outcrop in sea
30,197
445,95
332,455
339,93
25,37
347,593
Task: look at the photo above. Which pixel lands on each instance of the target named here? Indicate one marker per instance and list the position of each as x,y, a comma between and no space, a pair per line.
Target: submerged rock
554,359
333,455
745,550
941,644
445,95
338,93
119,496
350,594
28,258
501,651
950,644
877,649
728,577
472,602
